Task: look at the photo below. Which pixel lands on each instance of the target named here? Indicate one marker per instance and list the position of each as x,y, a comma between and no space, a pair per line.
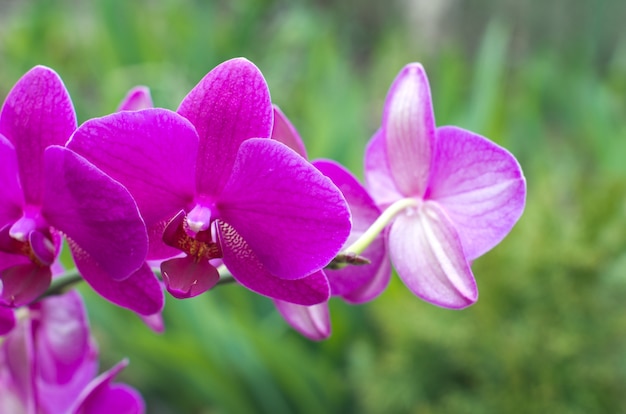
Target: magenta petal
141,292
428,256
103,397
294,218
311,321
364,213
153,154
7,318
186,278
95,212
250,272
137,98
229,105
67,358
37,113
409,129
11,197
17,348
481,187
283,131
23,283
377,174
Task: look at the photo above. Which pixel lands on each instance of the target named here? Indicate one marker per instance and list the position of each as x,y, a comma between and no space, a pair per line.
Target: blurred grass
546,80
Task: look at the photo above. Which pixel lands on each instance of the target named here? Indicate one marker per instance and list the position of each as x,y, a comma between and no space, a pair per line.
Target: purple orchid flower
456,194
137,98
211,184
48,363
354,284
49,191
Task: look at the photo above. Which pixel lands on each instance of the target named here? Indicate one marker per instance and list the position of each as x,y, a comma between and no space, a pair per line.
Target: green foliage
549,82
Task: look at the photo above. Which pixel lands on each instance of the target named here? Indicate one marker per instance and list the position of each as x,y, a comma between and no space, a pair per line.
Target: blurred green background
546,79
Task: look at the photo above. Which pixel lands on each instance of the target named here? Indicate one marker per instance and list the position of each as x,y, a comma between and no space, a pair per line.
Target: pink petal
38,112
409,130
291,216
19,355
141,292
103,397
428,256
311,321
229,105
154,322
21,284
137,98
67,358
153,154
286,133
7,318
97,213
246,268
377,173
364,212
186,278
11,197
481,187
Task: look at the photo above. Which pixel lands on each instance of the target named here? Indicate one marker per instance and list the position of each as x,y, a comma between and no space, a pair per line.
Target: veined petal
152,153
311,321
480,185
246,268
141,292
137,98
428,256
293,217
95,212
364,212
101,396
286,133
38,112
229,105
11,197
377,174
409,129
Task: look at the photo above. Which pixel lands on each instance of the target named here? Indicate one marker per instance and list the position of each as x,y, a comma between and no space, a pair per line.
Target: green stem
63,283
379,225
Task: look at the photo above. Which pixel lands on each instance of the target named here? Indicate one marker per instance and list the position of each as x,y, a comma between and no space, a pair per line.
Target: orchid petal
481,187
311,321
364,213
409,129
246,268
185,277
294,218
154,322
38,112
153,154
141,292
21,284
103,397
428,256
377,174
11,197
18,357
7,318
67,358
229,105
97,213
283,131
137,98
